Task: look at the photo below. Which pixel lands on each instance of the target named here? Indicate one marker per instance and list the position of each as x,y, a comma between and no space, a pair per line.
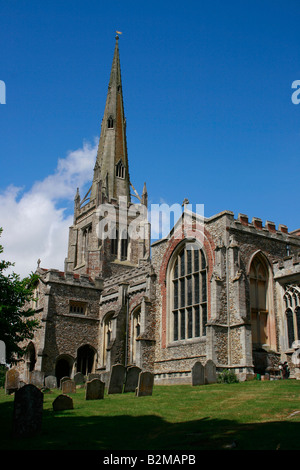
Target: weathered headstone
94,390
62,402
117,379
28,411
132,379
198,377
51,381
79,378
68,386
37,378
12,381
145,384
210,372
63,379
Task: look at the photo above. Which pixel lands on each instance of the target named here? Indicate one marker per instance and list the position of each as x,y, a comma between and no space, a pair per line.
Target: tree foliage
17,322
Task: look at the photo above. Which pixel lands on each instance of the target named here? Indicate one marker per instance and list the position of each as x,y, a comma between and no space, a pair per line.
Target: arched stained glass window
292,314
188,293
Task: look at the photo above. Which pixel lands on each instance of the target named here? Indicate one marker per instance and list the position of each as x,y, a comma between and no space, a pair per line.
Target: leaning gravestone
198,377
28,411
12,381
132,379
117,378
68,386
79,378
37,378
51,381
62,402
94,390
145,384
210,372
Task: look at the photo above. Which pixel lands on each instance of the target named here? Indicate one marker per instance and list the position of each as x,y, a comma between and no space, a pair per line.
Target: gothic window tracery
292,314
120,169
188,286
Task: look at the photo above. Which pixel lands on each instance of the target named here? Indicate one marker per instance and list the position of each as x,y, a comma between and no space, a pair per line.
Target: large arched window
259,280
188,293
292,313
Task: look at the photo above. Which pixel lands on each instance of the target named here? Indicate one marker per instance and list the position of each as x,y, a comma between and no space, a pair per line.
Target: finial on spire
117,36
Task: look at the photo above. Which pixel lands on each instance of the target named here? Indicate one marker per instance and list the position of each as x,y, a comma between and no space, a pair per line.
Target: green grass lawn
255,415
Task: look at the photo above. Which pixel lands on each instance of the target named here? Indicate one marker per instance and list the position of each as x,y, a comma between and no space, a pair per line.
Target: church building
222,288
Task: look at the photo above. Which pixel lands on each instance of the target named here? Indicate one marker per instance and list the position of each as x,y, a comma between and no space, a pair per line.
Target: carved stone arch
264,258
260,277
86,358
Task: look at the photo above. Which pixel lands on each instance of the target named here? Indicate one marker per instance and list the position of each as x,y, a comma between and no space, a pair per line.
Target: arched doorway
63,368
85,359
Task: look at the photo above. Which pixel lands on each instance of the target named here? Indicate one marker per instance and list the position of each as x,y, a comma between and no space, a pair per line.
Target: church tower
104,236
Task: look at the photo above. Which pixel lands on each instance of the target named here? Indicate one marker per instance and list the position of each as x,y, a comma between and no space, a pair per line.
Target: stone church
223,288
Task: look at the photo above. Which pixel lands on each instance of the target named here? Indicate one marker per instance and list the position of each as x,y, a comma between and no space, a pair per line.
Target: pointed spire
111,166
145,196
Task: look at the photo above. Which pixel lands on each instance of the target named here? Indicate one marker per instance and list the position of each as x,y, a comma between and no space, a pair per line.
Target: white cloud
35,223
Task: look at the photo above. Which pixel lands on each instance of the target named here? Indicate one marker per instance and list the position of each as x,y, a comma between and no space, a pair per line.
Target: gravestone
94,390
36,378
51,381
79,378
68,386
62,402
28,411
117,378
12,381
210,372
63,379
132,379
145,384
198,377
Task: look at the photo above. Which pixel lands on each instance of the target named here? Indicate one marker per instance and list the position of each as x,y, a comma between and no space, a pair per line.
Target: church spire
111,172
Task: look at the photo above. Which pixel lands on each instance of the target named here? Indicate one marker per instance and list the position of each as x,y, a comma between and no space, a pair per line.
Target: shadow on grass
64,431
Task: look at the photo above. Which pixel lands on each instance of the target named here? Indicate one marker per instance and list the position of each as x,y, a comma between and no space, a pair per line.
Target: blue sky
207,94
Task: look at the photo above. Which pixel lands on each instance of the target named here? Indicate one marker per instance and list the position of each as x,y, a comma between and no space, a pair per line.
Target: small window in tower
110,123
120,170
77,307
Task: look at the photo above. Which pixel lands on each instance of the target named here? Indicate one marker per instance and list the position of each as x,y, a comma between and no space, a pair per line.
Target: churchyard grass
251,415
